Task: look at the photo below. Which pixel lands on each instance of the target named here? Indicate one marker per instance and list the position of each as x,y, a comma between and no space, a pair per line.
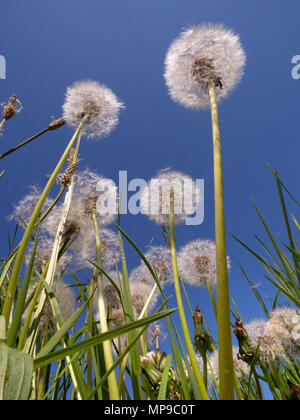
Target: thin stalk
184,324
223,297
204,361
24,143
42,371
2,123
13,282
107,346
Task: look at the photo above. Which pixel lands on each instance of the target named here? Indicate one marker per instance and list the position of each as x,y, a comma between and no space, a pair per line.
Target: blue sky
50,45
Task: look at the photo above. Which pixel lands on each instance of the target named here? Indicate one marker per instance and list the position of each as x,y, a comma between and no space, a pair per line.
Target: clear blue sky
49,45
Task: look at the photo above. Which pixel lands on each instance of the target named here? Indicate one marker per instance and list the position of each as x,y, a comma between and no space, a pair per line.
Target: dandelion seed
197,263
96,102
199,55
169,191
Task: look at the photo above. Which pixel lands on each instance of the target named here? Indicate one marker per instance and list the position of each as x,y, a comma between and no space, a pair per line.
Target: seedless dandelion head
197,262
199,55
169,191
97,103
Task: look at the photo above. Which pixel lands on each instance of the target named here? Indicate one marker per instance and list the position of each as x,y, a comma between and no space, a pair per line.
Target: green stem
223,296
24,143
107,346
13,282
187,337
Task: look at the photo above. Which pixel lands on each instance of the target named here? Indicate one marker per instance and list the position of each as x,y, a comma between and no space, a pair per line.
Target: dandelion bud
246,350
202,340
13,106
56,124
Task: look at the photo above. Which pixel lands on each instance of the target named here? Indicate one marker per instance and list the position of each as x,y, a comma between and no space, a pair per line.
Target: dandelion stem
223,297
19,146
13,282
184,324
107,346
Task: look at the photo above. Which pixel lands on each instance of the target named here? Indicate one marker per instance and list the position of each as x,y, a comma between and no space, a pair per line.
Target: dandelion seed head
160,258
66,301
197,262
169,191
97,103
140,293
43,255
201,54
24,209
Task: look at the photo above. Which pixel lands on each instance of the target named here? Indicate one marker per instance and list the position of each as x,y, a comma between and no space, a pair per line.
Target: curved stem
187,337
223,296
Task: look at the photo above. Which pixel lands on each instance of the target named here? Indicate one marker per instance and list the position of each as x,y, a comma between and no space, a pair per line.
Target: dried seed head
13,106
55,124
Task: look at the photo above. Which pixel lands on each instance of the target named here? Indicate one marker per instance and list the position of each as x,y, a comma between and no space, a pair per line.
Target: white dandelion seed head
200,54
24,209
95,192
271,346
43,255
95,101
241,368
197,263
86,249
169,190
66,300
160,259
140,293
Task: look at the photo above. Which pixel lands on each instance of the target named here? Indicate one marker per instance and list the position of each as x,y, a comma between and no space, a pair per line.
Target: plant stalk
226,377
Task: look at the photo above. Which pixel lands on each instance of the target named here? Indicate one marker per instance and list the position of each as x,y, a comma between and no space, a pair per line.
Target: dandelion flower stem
223,297
184,324
13,282
24,143
107,347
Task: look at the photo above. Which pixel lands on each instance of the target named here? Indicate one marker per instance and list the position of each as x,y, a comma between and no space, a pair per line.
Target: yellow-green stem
13,282
187,337
2,123
226,377
107,346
